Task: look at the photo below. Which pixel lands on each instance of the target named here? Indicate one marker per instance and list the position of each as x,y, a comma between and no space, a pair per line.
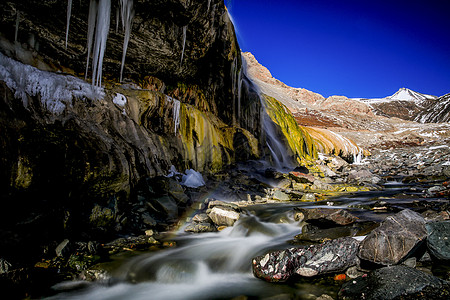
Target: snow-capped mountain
404,104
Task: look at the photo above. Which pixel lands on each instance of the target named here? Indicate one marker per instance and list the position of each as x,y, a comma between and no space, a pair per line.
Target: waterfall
357,158
69,13
103,12
17,25
209,5
127,12
184,44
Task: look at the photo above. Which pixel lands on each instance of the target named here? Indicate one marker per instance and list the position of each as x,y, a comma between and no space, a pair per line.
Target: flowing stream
218,265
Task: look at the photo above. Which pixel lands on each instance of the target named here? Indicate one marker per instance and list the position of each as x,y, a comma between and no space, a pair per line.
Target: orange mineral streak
340,277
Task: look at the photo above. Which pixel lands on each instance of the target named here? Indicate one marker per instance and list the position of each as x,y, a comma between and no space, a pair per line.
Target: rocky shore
402,230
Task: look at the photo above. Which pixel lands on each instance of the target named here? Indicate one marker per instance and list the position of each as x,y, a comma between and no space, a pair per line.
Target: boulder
395,282
395,239
200,227
280,196
308,197
301,177
363,176
308,261
438,240
63,248
4,266
223,216
324,216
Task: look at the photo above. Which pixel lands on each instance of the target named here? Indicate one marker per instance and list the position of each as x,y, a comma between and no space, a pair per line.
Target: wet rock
396,238
396,282
438,240
215,203
363,176
201,218
63,248
168,206
308,261
4,266
280,196
223,216
94,275
284,183
431,215
324,216
301,177
320,234
308,197
326,171
200,227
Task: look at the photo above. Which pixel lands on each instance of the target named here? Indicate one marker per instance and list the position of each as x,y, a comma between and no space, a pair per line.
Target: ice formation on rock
184,44
56,91
17,25
127,13
176,111
69,13
120,100
98,24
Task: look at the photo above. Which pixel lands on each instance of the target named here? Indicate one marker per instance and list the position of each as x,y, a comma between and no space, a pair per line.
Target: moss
299,140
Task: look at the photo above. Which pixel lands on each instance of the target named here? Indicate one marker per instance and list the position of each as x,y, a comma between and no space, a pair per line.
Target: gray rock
201,218
63,248
363,176
438,240
280,196
396,282
168,206
308,197
223,216
321,215
4,266
200,227
395,239
308,261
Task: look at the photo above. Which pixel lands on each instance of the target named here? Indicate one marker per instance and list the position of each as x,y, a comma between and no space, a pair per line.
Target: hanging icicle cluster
127,13
99,19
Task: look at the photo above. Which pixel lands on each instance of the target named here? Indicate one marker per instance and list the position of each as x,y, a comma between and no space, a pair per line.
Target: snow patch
56,91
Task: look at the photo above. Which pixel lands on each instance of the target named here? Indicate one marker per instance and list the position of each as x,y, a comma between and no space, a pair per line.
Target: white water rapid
201,266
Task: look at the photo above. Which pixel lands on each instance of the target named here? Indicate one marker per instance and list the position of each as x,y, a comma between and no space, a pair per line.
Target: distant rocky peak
405,94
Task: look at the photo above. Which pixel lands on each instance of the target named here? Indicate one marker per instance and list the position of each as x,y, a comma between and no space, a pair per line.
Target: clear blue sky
356,48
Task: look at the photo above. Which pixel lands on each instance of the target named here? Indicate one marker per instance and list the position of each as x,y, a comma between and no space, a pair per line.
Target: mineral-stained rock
320,216
223,216
395,282
438,240
331,256
396,238
301,177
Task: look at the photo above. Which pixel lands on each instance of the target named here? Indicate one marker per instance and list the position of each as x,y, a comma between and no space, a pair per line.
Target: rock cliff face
90,159
77,158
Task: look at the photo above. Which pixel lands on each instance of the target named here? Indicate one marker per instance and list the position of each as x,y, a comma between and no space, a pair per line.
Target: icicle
127,20
17,25
176,111
69,13
93,7
184,44
117,19
101,35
